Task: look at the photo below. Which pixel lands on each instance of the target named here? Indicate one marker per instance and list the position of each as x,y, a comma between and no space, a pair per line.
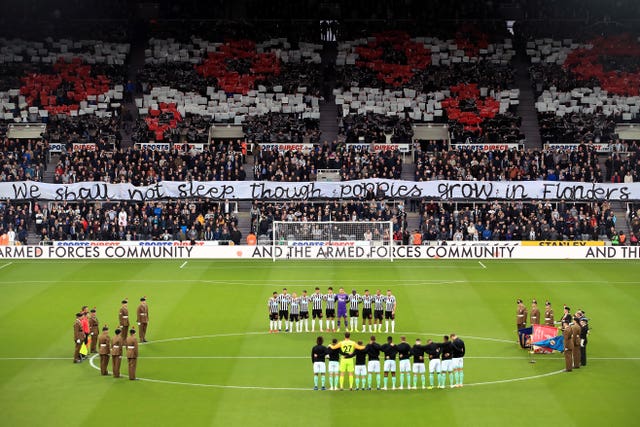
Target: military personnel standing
132,353
575,330
535,313
521,315
567,333
143,319
123,318
584,332
116,353
566,316
104,345
94,329
548,314
78,337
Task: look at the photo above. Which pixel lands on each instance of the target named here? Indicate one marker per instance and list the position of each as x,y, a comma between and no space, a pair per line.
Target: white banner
57,147
154,146
267,190
599,148
435,253
485,147
374,148
287,147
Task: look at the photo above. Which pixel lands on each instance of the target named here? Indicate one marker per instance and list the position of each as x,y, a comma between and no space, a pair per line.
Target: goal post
374,238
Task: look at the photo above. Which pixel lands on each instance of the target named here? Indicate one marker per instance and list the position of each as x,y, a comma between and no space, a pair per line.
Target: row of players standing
363,361
575,329
293,310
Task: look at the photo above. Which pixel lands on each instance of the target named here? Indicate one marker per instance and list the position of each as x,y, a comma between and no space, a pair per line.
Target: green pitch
210,360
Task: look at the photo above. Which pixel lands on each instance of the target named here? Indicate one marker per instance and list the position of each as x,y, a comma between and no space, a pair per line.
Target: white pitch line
183,264
5,265
483,266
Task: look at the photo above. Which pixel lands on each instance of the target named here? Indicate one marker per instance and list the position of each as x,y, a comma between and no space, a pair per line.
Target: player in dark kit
447,362
458,348
418,351
361,366
373,352
318,353
390,352
433,351
404,356
334,365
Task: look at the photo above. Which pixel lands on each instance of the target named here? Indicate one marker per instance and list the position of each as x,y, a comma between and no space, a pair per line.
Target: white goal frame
330,233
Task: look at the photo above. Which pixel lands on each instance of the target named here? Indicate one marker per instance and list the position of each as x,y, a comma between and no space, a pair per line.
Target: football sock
378,380
341,381
393,326
339,324
313,325
279,324
369,380
328,323
315,381
386,326
333,324
451,378
401,379
323,380
386,381
456,377
430,379
358,382
461,378
393,381
350,381
331,381
424,381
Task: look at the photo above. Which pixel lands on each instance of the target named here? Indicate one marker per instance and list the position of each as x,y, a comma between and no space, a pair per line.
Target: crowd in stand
15,220
516,221
217,162
510,165
185,220
299,166
102,131
22,159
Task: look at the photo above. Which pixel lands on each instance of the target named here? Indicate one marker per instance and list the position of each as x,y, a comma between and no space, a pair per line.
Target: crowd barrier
457,250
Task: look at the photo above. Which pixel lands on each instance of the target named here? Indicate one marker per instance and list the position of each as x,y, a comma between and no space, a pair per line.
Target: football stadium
315,213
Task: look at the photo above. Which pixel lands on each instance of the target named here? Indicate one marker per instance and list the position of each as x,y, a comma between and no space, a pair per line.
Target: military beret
93,310
519,301
132,331
534,301
78,314
143,299
118,331
547,303
105,328
124,301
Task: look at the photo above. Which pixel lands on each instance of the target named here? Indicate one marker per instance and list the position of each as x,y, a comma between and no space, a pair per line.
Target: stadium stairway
328,107
526,108
622,218
244,217
134,65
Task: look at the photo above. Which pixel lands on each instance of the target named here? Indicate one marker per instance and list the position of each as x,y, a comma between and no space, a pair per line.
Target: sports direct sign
486,147
376,148
498,250
287,147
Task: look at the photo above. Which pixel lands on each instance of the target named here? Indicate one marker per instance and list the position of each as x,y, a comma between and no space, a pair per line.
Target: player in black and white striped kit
316,309
304,311
295,314
330,309
378,310
285,300
367,301
274,307
390,312
354,303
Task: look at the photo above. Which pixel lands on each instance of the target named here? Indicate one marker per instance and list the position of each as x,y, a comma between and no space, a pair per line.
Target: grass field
210,360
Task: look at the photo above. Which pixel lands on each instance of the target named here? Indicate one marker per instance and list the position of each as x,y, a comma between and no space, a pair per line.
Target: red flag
540,333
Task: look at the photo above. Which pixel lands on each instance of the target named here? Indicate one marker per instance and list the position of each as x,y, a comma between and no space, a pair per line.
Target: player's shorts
316,313
389,365
330,312
284,314
334,367
405,365
435,366
304,315
319,368
295,317
447,365
361,370
342,313
377,314
374,366
389,315
273,316
458,363
366,313
418,368
347,365
353,313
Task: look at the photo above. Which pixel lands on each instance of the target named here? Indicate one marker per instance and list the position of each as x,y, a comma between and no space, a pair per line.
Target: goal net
333,240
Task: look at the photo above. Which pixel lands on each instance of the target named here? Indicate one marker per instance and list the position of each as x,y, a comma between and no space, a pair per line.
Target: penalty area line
483,266
5,265
183,264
